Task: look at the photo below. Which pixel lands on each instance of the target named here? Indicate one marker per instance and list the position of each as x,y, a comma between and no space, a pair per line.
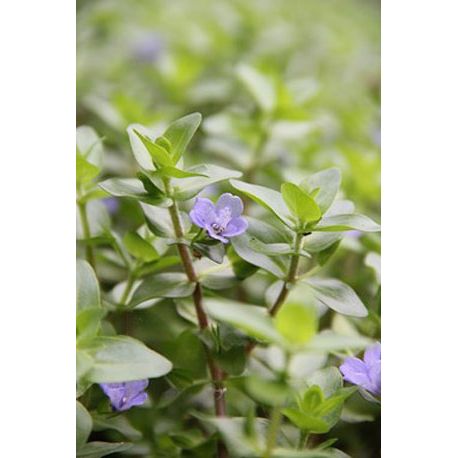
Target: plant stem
303,439
216,373
127,289
272,432
291,276
86,233
288,281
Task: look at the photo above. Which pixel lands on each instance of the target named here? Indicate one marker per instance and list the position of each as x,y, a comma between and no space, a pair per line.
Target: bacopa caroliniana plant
271,367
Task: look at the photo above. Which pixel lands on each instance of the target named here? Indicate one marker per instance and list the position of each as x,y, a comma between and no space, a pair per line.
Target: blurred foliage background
152,61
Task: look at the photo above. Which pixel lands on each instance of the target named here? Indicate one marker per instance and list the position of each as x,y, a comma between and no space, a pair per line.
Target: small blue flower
125,395
365,373
111,204
221,221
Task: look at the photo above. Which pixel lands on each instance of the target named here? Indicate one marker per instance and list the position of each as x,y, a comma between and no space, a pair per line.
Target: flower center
218,228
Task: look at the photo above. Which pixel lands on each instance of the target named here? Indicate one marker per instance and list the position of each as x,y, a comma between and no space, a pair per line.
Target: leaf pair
167,149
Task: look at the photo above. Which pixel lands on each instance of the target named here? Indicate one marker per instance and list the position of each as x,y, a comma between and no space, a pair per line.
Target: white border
37,109
419,221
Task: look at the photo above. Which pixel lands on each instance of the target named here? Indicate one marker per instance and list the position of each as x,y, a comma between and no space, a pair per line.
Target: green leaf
232,430
186,188
159,155
275,249
327,182
87,286
347,223
300,204
337,296
254,321
120,423
267,232
266,197
85,171
232,361
88,321
328,379
336,401
158,221
312,399
180,132
242,269
329,341
269,392
83,363
297,323
98,219
83,425
211,249
319,241
173,172
170,284
89,146
275,266
306,422
141,154
135,189
259,86
138,247
373,260
325,255
99,449
122,359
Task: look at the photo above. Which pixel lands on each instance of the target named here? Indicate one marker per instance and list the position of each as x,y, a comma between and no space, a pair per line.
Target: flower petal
137,400
236,226
376,379
231,202
211,232
372,355
203,212
135,387
115,392
355,371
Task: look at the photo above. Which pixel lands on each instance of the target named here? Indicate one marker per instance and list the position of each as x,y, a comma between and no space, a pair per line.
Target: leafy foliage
256,327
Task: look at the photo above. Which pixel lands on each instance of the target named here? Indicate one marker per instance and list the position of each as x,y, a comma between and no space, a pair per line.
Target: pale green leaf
180,133
266,197
300,204
328,183
83,425
87,286
122,359
260,86
337,296
347,223
170,284
297,323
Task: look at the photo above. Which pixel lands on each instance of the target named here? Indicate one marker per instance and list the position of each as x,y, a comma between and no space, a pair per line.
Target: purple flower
366,373
222,220
148,48
125,395
111,204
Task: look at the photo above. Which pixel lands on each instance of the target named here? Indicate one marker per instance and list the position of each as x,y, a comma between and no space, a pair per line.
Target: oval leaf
173,285
337,296
122,359
340,223
266,197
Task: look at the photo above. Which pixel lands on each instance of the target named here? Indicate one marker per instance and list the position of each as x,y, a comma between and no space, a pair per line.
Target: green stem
272,432
216,373
127,289
86,233
288,281
290,277
303,439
